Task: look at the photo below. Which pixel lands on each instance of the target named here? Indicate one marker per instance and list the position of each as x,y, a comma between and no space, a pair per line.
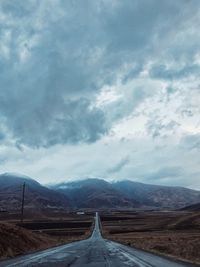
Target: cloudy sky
104,88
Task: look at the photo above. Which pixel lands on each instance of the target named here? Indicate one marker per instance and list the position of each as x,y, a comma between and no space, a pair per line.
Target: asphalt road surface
93,252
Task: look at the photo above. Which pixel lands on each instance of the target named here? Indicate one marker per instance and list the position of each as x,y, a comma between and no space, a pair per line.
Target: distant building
80,213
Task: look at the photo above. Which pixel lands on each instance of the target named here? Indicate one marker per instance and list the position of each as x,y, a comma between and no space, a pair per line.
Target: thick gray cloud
46,85
55,57
77,77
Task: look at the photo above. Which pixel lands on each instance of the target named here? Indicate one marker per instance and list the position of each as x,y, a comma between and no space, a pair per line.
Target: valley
98,251
162,220
173,234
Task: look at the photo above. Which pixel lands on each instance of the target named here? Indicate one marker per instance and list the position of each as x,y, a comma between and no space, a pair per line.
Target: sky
106,88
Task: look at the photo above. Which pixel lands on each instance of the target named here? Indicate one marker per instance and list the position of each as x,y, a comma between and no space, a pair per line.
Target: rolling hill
194,207
95,193
36,195
92,193
158,196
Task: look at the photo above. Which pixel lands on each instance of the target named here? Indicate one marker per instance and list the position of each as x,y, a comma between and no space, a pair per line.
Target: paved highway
93,252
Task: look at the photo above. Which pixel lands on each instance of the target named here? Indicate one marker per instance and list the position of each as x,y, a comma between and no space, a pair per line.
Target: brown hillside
15,240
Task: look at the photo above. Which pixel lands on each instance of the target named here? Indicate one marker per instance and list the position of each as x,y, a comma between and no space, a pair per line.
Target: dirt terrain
175,234
15,240
95,251
36,234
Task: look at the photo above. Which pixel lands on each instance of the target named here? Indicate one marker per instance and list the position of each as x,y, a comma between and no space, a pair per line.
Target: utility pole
22,206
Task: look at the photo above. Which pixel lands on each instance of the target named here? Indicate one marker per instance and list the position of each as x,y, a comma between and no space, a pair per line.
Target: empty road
93,252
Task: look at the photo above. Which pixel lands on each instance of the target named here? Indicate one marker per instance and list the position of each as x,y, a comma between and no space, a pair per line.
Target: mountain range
92,193
100,193
36,195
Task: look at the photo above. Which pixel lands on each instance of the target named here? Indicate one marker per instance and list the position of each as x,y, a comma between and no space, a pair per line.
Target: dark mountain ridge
92,193
194,207
36,195
157,195
126,193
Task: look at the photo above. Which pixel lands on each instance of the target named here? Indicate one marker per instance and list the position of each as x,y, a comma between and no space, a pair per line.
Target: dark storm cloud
47,99
56,56
63,122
